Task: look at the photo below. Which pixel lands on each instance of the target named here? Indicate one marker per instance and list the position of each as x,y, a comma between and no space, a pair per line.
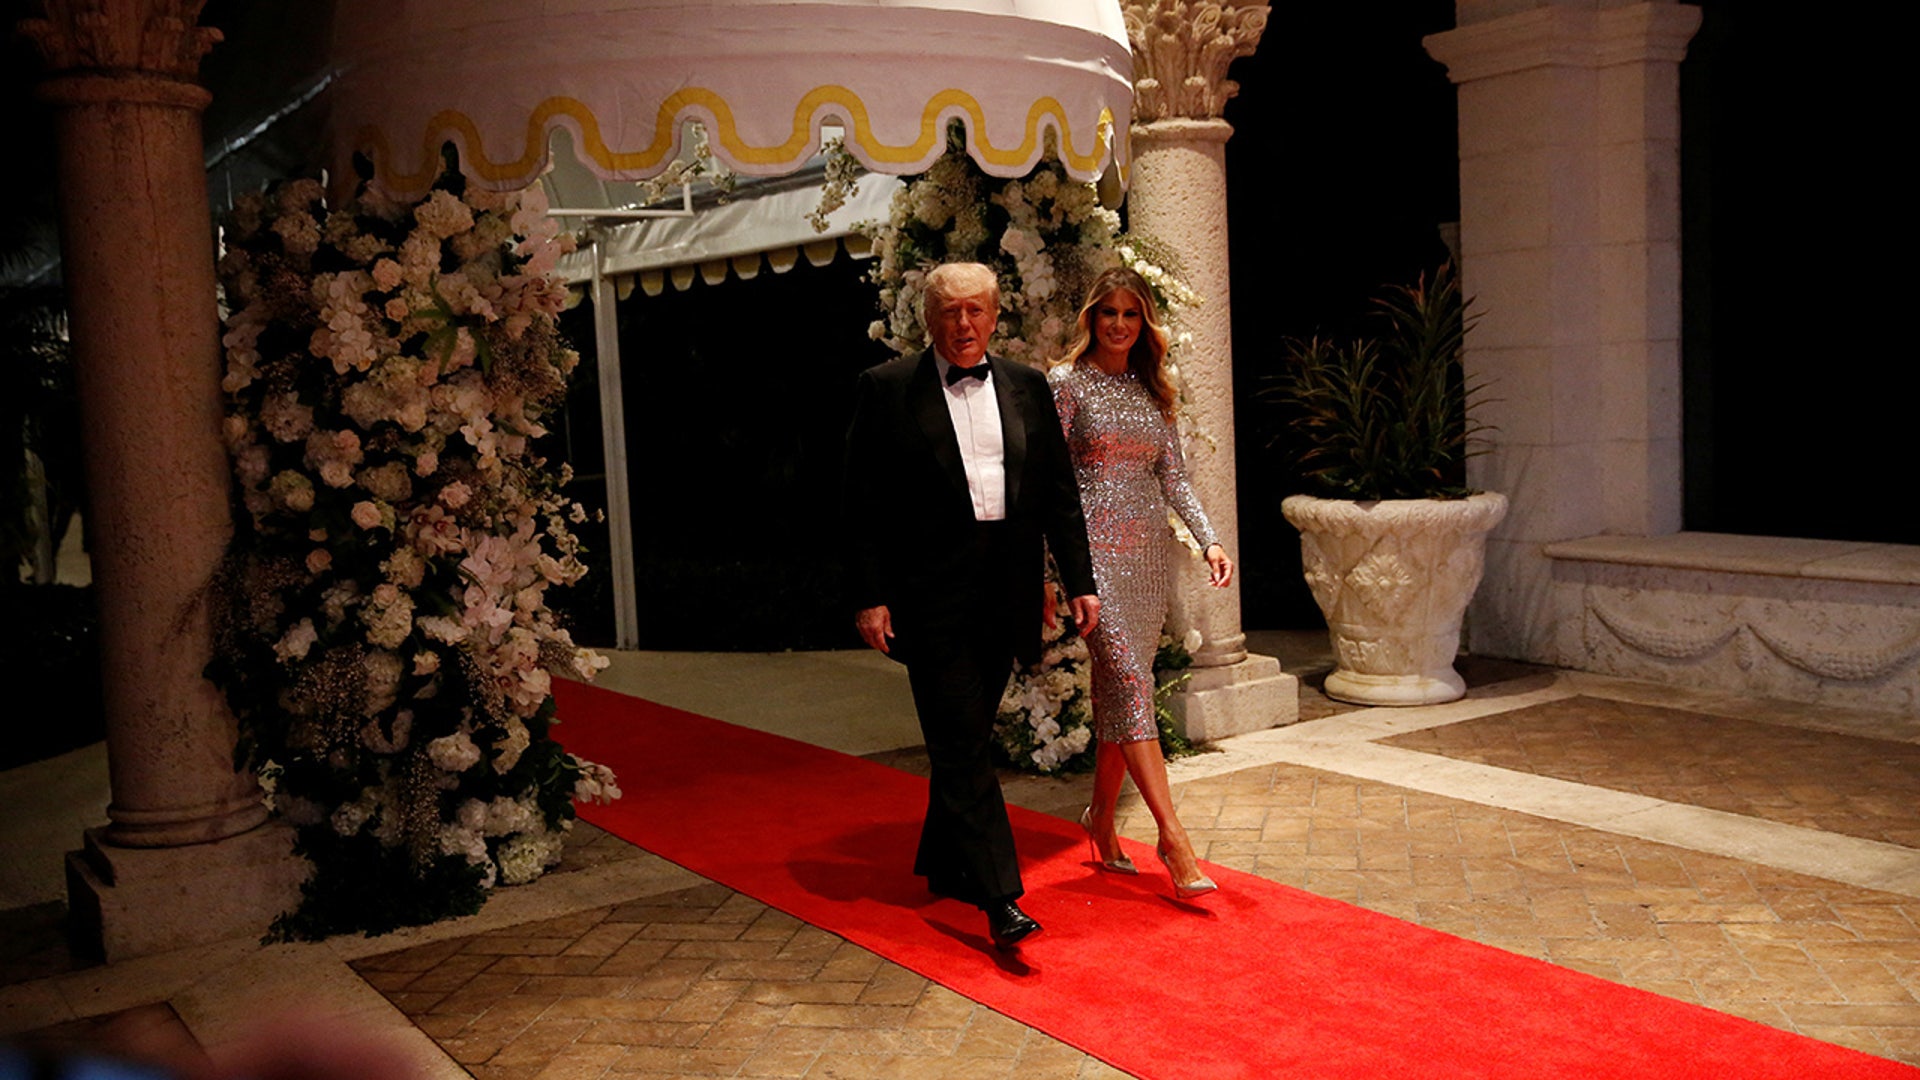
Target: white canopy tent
759,223
502,79
496,76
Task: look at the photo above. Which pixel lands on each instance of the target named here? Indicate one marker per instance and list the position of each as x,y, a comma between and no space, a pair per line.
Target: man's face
960,327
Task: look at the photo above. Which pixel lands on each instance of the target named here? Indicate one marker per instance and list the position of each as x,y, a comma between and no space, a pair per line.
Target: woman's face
1117,319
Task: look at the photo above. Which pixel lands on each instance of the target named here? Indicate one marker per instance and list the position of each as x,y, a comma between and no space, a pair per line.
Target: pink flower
366,514
443,215
387,275
334,454
432,532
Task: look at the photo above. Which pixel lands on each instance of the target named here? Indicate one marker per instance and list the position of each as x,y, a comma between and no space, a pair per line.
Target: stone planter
1393,579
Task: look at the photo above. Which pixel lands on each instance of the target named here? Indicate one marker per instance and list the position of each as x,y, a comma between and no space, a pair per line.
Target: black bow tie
955,372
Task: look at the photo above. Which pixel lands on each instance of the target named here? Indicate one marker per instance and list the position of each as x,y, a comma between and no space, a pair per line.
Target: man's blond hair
958,281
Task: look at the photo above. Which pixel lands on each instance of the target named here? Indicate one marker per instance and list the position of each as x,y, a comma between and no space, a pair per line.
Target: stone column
184,857
1570,245
1178,197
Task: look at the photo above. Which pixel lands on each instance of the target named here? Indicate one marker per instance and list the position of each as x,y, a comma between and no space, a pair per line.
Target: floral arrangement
1045,723
386,643
1047,237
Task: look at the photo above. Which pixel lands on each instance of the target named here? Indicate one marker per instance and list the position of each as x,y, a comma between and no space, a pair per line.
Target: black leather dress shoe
1008,924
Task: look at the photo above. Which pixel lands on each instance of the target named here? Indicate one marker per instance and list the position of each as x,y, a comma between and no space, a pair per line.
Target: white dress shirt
975,410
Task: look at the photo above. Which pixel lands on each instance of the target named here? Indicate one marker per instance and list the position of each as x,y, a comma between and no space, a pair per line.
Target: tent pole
613,441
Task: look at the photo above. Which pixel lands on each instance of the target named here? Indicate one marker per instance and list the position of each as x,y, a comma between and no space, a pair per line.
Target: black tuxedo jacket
911,518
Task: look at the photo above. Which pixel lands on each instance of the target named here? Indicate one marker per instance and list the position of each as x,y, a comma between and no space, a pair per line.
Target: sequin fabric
1127,459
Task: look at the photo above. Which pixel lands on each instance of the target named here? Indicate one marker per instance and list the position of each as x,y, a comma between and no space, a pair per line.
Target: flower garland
1046,237
385,642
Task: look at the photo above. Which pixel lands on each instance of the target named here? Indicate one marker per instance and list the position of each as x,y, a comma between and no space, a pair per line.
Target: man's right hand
875,625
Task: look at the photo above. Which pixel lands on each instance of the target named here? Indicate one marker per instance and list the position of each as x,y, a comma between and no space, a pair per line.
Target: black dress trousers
959,658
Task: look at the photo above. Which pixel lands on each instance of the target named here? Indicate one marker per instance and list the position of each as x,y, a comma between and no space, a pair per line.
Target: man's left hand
1086,613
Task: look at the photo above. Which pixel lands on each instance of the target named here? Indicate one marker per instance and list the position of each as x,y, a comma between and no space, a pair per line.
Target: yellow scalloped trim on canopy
451,122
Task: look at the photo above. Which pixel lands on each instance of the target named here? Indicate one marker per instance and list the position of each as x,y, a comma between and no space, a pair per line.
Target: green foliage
1388,417
1170,666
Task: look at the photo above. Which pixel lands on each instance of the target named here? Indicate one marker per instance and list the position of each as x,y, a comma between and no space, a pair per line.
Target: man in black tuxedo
956,471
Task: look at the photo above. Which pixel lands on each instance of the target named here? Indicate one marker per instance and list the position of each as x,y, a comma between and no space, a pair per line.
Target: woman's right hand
1050,604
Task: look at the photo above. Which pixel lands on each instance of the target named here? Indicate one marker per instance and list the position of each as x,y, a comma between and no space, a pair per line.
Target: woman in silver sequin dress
1116,405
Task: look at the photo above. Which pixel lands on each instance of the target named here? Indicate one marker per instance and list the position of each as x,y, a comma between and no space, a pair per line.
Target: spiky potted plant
1392,541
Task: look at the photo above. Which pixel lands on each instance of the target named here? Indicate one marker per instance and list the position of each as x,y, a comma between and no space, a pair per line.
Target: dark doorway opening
737,400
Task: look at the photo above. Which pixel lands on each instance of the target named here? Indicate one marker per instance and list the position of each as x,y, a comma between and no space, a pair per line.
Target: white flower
389,619
593,782
507,751
1192,641
293,645
526,856
454,753
348,819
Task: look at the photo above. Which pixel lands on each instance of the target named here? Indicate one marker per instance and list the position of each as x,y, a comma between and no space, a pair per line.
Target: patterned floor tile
701,982
1845,784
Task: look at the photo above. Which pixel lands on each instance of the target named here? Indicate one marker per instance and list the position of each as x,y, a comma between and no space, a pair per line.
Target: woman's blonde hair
1148,357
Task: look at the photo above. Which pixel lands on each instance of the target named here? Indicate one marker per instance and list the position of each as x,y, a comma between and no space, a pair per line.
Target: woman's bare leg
1149,770
1109,770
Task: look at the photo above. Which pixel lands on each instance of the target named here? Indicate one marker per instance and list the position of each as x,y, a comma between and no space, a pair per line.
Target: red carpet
1258,981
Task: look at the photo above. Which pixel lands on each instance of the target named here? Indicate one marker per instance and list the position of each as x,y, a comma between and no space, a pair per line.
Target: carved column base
1252,695
127,902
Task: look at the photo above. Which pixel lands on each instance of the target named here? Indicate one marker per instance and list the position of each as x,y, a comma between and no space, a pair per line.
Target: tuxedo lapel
1013,429
928,403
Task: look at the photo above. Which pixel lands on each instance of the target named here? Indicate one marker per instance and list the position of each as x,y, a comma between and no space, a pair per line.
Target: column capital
1181,49
154,38
1561,36
1179,130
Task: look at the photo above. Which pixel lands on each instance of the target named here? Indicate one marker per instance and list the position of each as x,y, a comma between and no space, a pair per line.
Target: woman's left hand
1219,566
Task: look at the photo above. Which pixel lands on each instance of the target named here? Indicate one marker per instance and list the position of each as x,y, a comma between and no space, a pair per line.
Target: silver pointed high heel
1199,886
1119,864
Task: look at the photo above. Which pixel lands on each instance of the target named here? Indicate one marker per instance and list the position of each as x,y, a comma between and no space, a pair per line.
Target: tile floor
1755,857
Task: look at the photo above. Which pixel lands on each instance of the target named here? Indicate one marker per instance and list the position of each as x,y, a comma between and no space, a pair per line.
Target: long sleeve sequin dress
1127,459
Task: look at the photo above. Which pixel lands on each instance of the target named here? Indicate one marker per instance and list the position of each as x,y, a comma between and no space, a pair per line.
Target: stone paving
1842,784
700,982
685,978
